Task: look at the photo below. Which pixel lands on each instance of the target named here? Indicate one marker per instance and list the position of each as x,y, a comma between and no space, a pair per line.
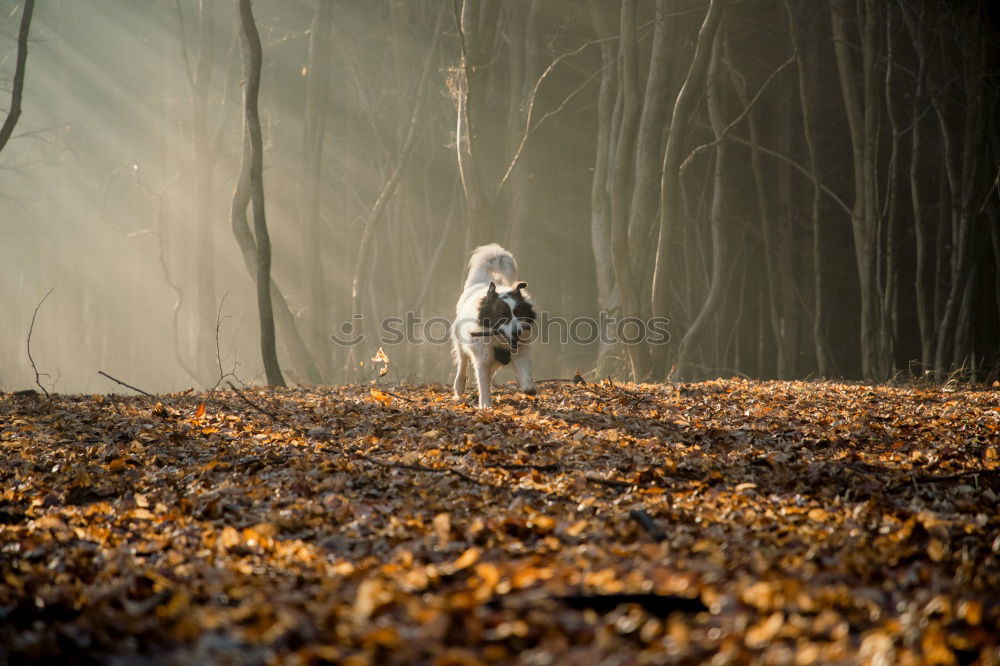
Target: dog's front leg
461,375
483,380
522,367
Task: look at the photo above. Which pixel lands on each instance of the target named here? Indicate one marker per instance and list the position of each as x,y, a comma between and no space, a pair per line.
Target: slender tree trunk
714,295
785,248
860,121
474,19
313,141
768,236
960,179
994,225
649,144
17,86
670,181
251,187
620,171
524,43
204,166
820,344
872,219
915,27
887,253
600,204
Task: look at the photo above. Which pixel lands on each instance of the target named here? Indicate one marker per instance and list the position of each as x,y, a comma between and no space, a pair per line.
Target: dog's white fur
489,265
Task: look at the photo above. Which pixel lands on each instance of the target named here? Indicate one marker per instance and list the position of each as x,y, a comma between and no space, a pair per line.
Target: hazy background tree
250,189
17,81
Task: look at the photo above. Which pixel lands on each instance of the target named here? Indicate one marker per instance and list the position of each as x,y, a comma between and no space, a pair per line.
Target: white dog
492,318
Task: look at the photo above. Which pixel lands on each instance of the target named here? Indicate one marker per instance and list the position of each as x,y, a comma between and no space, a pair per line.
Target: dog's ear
520,286
492,291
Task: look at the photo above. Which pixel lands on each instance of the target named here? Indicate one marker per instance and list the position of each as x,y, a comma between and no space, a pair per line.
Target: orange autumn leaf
380,397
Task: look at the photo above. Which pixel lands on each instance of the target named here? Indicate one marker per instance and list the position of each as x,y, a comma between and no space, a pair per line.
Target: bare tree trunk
524,43
784,246
860,120
649,145
204,165
887,234
474,19
915,26
959,179
621,166
17,86
774,302
670,181
250,189
600,204
313,140
820,344
708,306
995,242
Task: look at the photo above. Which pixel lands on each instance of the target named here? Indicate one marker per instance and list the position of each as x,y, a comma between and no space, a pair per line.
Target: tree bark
250,189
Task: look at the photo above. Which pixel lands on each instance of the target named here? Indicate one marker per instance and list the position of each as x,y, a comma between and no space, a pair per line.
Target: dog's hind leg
483,380
461,375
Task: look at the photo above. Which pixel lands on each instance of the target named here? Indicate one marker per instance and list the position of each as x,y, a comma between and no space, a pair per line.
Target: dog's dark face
510,313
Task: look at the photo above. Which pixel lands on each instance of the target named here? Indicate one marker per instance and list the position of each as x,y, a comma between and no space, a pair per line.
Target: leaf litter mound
725,521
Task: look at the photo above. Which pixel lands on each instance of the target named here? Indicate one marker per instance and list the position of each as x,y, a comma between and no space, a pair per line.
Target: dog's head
510,313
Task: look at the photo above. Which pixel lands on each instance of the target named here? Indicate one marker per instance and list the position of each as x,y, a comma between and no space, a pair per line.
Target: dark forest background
804,188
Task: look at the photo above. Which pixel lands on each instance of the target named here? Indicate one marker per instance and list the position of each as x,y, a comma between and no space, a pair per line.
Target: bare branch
743,114
38,375
118,381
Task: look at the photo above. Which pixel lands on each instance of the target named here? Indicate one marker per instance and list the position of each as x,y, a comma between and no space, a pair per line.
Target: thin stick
118,381
393,394
643,518
38,375
739,118
255,405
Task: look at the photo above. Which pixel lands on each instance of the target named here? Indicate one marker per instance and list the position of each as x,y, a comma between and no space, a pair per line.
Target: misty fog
116,186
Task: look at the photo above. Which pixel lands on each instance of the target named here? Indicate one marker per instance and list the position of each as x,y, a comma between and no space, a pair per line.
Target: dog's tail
491,262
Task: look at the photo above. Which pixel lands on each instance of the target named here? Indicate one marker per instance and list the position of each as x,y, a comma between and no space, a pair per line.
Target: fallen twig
455,472
647,522
551,467
660,605
614,483
378,388
255,405
118,381
915,479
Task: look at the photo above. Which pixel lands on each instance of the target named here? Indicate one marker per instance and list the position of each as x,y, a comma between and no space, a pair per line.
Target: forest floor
724,521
